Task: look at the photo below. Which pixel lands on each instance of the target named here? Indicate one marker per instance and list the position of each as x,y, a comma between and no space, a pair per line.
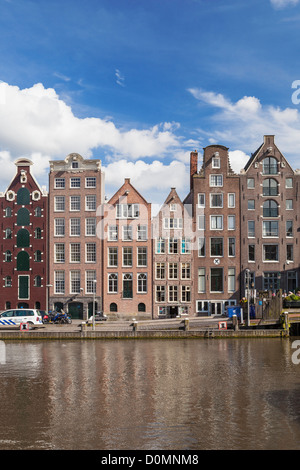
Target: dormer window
75,165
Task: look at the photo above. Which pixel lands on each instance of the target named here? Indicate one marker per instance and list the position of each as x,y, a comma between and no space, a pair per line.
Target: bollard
235,322
83,327
286,321
186,324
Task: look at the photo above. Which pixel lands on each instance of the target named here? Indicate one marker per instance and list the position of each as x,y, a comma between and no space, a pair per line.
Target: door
127,286
173,312
216,308
23,287
75,310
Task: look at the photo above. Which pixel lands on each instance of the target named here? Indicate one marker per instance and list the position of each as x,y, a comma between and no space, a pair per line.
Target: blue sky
141,83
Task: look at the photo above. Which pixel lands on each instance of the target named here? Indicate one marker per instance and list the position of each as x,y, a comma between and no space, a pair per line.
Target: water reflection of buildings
149,395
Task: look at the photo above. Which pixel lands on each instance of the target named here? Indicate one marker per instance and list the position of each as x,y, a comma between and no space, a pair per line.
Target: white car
15,317
98,317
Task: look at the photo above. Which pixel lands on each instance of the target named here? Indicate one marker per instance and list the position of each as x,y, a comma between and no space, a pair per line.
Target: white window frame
112,253
212,195
75,182
90,203
112,283
142,255
90,252
90,227
59,183
231,222
231,200
112,233
59,227
216,162
59,201
75,278
215,220
201,196
75,253
75,203
59,255
75,227
90,179
216,181
59,282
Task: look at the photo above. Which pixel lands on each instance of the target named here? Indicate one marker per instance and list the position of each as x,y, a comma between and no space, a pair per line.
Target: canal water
150,394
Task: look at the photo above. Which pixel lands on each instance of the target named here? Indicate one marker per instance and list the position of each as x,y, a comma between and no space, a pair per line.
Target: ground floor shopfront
213,307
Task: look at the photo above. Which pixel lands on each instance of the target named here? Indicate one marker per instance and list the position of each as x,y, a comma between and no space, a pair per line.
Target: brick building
75,263
70,250
215,199
24,241
172,259
270,255
127,254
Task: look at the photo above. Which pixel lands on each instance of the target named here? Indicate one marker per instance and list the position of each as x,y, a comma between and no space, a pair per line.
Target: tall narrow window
201,247
38,233
142,256
201,280
173,245
113,283
160,245
59,282
127,256
90,284
173,293
75,282
160,272
216,279
142,283
231,279
231,246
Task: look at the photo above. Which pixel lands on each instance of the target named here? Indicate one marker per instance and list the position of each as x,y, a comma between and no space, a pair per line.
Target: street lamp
95,283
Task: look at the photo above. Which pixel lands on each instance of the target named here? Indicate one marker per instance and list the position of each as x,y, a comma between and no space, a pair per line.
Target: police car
15,317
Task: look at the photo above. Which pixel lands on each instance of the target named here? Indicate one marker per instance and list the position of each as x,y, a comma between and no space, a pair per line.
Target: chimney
269,139
193,166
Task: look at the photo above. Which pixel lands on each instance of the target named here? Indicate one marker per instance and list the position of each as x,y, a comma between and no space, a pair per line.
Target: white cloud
37,120
238,160
242,124
61,76
279,4
36,123
148,178
119,78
